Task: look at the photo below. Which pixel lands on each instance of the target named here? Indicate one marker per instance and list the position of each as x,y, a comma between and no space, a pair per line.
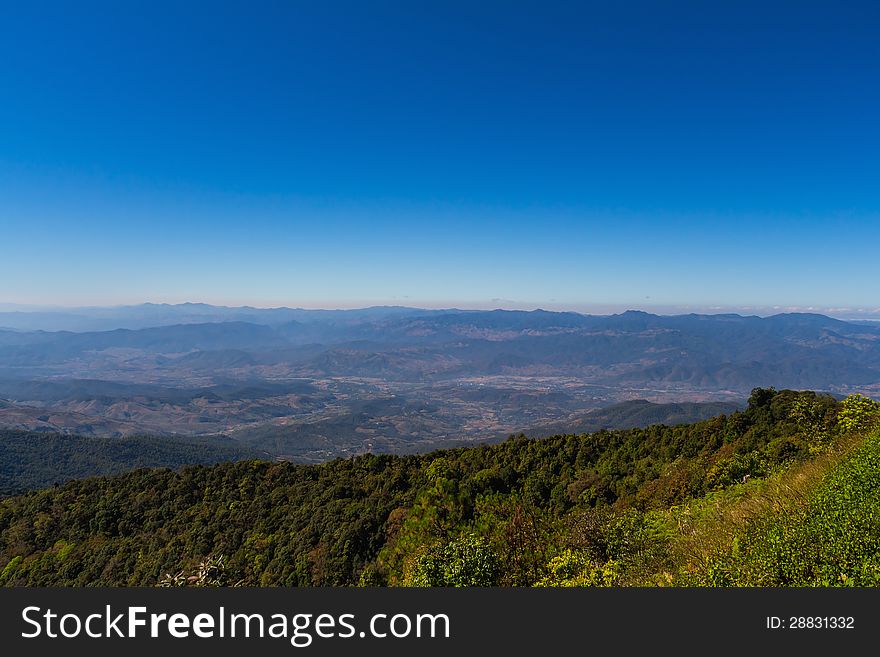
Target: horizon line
598,309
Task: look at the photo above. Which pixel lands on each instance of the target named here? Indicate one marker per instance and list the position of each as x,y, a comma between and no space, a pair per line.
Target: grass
814,524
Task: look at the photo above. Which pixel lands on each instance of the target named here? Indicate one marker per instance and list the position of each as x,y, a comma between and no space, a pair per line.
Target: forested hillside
782,493
30,460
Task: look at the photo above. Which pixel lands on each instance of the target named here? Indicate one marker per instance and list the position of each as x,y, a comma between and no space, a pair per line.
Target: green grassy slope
821,531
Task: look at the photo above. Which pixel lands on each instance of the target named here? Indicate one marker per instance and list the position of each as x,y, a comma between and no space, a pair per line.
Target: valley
314,385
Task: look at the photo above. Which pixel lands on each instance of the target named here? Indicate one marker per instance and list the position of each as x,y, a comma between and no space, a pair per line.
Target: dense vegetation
30,460
830,537
784,492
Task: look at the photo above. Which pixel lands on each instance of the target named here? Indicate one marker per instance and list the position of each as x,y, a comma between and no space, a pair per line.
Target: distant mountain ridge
395,379
152,315
705,351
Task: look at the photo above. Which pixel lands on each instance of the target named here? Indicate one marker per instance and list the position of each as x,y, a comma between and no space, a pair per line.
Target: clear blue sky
442,153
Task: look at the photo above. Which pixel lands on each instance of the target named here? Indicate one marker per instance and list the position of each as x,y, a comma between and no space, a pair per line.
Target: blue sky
579,155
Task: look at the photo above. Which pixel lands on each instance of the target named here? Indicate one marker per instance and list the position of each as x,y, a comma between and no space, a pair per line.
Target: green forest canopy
711,503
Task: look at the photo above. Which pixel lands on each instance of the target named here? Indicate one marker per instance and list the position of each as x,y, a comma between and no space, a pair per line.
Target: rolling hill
30,460
782,493
638,413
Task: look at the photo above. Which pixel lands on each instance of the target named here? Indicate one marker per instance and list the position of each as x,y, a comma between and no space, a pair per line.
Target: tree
577,568
211,571
858,414
809,414
466,561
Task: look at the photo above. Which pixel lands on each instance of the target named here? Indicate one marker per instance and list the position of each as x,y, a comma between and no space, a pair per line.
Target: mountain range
314,384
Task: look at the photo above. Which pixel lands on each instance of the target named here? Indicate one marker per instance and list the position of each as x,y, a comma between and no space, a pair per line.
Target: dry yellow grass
710,525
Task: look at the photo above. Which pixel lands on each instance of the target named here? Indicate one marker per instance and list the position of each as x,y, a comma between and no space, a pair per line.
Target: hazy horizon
872,314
